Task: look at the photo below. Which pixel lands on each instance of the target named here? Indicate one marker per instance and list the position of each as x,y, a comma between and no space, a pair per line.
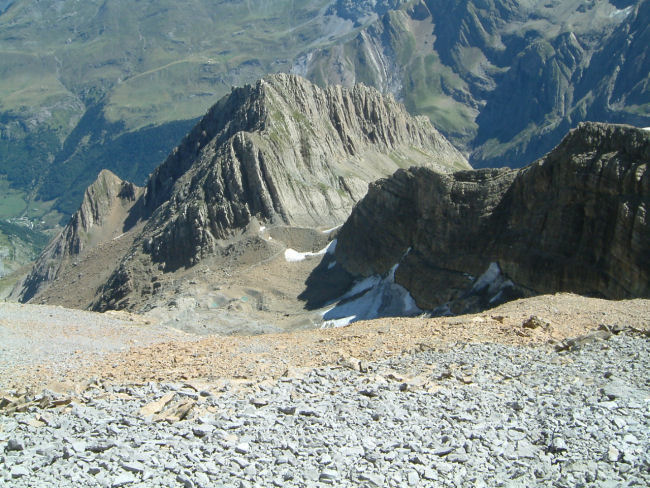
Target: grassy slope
144,63
137,66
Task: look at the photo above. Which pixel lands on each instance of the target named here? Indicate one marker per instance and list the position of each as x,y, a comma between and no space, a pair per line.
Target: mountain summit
574,221
286,152
282,153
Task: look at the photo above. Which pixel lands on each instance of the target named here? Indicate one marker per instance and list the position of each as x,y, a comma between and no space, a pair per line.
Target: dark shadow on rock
326,283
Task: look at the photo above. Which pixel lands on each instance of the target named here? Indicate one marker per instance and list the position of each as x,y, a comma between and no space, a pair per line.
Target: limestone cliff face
576,220
282,151
99,218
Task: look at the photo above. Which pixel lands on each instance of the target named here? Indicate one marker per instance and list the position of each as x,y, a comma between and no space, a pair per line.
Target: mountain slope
504,80
91,85
83,81
282,153
101,218
576,220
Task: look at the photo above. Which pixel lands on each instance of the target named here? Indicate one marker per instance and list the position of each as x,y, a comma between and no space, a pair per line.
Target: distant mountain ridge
85,85
94,85
503,80
280,152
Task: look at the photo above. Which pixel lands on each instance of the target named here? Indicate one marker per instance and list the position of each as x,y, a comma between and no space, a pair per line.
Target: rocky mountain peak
279,152
100,218
99,201
575,220
282,151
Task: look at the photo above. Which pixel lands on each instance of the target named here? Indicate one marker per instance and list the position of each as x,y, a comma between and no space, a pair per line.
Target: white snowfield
371,298
329,231
293,256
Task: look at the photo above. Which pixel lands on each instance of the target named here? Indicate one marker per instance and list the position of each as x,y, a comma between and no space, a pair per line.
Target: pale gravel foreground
475,415
40,338
480,400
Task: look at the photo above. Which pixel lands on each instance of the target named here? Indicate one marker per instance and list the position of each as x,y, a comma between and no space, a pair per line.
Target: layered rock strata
279,152
576,220
101,217
283,151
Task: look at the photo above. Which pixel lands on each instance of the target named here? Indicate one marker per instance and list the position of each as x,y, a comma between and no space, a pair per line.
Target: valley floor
551,390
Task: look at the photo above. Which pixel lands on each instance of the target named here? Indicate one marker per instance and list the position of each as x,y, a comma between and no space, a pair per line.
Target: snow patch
487,278
329,231
371,298
621,13
293,256
492,288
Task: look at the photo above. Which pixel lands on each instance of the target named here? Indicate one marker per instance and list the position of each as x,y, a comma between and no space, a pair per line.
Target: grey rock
202,430
507,227
133,466
287,409
19,471
430,474
443,451
311,474
243,448
123,480
185,480
558,444
613,454
413,478
241,462
552,441
259,402
615,389
328,475
373,479
456,457
202,480
14,445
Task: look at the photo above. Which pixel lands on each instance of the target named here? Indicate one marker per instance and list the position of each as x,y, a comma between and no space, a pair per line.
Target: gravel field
547,391
473,415
55,339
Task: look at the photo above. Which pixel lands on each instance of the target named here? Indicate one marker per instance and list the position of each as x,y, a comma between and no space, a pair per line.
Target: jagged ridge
283,151
105,204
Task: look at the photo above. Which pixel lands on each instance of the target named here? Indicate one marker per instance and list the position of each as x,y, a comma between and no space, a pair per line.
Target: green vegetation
94,84
38,240
12,202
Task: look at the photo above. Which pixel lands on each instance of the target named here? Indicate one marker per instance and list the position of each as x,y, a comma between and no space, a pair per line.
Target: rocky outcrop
279,152
576,220
101,217
283,151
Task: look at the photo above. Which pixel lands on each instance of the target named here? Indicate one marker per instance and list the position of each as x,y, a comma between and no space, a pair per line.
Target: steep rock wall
576,220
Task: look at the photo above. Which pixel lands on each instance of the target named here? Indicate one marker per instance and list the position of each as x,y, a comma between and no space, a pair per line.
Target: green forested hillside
93,84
